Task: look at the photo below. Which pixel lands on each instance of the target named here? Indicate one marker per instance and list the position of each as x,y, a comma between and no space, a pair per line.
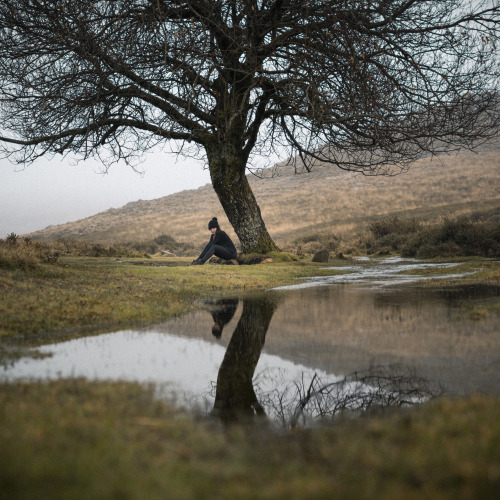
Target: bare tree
364,85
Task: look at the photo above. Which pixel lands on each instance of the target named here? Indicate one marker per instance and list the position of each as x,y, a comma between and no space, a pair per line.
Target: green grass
478,271
98,294
81,440
81,295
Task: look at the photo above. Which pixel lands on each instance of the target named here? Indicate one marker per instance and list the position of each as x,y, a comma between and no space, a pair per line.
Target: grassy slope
327,199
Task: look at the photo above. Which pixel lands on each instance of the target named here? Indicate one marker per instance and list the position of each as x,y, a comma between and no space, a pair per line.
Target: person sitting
220,245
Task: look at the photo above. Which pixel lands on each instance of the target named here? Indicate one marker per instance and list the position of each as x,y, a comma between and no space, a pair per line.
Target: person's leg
220,252
209,254
223,253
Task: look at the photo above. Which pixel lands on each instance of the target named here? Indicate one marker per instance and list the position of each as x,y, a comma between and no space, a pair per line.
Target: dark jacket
220,238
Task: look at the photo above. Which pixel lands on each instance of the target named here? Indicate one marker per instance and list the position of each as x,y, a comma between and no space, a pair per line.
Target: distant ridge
327,199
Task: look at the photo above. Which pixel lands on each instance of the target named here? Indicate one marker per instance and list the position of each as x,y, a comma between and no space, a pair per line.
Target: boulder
321,256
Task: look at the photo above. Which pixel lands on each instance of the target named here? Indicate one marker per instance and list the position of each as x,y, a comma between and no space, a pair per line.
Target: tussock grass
86,249
449,238
80,440
23,253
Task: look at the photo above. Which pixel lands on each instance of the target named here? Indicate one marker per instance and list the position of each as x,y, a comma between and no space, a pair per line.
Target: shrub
85,249
162,242
314,242
165,240
12,239
16,253
393,225
451,237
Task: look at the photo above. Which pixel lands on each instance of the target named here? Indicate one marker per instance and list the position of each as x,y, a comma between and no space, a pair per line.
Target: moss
257,258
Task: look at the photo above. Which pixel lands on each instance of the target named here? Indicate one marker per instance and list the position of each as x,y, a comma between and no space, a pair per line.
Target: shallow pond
351,341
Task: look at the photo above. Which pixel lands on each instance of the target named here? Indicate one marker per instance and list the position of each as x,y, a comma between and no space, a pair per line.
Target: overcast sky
51,192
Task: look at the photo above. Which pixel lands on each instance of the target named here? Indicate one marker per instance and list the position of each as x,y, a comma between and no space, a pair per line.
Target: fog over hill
326,199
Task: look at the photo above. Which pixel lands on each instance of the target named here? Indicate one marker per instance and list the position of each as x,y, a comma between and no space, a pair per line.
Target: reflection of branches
314,398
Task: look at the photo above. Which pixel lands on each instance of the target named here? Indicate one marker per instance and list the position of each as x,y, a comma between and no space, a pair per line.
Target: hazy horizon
53,192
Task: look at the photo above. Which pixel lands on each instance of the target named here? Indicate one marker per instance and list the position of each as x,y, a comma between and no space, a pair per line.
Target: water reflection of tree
238,395
313,398
235,396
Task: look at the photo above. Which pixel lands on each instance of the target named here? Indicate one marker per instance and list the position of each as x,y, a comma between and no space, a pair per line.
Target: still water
351,341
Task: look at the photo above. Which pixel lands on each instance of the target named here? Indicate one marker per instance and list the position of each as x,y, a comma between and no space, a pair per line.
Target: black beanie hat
213,223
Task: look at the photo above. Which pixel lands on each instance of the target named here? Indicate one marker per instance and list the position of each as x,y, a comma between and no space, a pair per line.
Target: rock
321,256
266,260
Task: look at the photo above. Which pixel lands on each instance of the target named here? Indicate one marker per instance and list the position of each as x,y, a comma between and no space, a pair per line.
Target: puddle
182,369
301,353
380,273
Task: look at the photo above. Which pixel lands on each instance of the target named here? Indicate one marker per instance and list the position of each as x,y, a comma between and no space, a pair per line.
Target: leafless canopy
359,83
302,402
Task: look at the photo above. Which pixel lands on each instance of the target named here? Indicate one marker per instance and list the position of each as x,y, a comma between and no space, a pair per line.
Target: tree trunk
227,171
235,395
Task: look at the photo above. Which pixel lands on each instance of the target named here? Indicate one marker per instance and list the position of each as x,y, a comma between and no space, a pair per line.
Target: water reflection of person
222,314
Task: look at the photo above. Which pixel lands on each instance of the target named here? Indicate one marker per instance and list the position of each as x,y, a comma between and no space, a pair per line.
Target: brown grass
23,253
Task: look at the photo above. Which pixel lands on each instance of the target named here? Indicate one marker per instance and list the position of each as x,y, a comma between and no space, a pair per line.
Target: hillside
327,199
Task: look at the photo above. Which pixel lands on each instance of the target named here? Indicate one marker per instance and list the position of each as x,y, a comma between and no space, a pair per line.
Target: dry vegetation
322,208
17,253
478,234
